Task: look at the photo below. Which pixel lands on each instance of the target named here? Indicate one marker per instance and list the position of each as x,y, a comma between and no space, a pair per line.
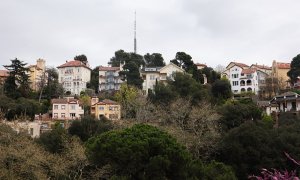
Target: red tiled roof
64,101
261,66
241,64
248,71
4,73
283,65
102,68
107,101
73,63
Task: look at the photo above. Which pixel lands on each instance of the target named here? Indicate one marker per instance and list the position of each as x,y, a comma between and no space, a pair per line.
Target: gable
168,69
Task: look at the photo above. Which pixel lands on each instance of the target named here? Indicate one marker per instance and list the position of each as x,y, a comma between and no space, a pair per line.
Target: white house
152,74
74,75
286,102
109,79
66,109
244,79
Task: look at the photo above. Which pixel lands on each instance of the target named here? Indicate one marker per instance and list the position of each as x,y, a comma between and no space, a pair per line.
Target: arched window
243,90
249,83
249,89
242,83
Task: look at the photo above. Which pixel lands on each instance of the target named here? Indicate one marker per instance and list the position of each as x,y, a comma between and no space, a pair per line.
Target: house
279,71
66,109
3,75
244,78
105,108
287,102
74,76
263,68
200,66
109,79
37,74
152,74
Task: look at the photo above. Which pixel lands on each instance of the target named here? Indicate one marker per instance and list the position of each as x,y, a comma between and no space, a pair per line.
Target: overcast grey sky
211,31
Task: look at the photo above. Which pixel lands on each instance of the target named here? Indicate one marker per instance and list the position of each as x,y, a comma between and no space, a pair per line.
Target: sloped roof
4,73
107,101
73,63
65,101
242,65
199,64
281,65
103,68
261,66
248,71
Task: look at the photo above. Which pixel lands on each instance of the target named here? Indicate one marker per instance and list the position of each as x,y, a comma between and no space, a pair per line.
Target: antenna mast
135,32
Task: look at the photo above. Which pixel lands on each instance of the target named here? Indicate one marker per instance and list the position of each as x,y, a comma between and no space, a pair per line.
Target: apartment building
66,109
74,76
279,71
244,78
105,108
109,79
3,75
152,74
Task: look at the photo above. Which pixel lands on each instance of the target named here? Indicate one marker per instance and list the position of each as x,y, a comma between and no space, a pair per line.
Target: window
31,131
72,115
55,115
55,106
63,115
235,83
63,106
152,77
110,108
101,108
73,107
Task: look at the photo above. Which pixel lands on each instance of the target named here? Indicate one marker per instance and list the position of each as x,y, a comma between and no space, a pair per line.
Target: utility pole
135,32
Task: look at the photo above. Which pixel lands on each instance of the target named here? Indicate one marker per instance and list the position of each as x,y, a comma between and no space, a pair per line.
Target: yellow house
279,71
106,108
36,74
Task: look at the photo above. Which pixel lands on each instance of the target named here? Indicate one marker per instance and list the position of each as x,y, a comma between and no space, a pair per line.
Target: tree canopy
294,72
154,60
81,58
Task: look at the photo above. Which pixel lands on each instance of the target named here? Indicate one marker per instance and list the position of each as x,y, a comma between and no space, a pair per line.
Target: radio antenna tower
135,32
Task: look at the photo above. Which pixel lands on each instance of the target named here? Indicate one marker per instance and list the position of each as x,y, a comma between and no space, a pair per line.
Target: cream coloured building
105,108
279,71
74,76
66,109
109,78
37,74
153,74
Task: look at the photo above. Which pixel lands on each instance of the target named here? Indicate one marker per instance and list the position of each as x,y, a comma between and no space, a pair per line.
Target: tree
53,89
221,89
294,72
81,58
88,127
120,57
254,146
220,68
17,84
127,97
140,152
94,83
236,113
210,74
132,74
184,61
162,94
154,60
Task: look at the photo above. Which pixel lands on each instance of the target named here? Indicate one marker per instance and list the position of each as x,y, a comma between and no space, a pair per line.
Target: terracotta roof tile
241,64
199,64
102,68
64,101
107,101
261,66
248,71
73,63
4,73
283,65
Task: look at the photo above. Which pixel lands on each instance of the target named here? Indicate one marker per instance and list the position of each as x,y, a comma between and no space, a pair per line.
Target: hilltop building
152,74
244,78
279,71
3,75
66,109
105,108
37,74
74,76
109,79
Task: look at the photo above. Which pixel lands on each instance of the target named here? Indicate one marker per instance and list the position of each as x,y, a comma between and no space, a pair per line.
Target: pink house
66,109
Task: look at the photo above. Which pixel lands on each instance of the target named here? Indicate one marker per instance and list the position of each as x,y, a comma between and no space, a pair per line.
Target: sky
213,32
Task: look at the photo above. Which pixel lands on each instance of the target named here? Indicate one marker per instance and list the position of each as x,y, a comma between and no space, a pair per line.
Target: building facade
244,79
74,76
279,71
66,109
153,74
37,74
106,108
109,79
286,102
3,76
